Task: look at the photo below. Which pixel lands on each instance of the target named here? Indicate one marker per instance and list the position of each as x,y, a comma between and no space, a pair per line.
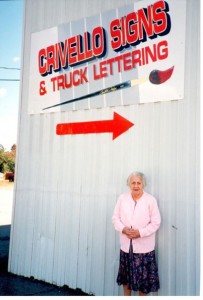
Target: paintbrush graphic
155,77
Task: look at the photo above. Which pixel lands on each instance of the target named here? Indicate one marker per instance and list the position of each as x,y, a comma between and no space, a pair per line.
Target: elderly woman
137,218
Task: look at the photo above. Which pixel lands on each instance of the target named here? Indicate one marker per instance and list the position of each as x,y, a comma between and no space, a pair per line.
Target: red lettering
127,61
162,50
159,17
50,59
130,60
98,41
132,32
115,34
137,26
145,23
151,53
136,58
103,69
66,81
61,82
95,75
118,59
54,80
72,51
61,49
88,50
80,54
110,62
70,83
123,31
75,74
83,73
41,62
72,59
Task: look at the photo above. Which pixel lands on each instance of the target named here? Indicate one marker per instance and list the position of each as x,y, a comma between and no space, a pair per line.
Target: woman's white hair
139,174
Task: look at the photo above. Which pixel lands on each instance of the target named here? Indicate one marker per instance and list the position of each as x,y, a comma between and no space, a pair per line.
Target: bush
7,160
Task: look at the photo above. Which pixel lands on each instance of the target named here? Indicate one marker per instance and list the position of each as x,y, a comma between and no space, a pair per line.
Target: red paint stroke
117,126
158,76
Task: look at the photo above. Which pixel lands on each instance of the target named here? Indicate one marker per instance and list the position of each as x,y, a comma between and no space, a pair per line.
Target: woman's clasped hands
131,233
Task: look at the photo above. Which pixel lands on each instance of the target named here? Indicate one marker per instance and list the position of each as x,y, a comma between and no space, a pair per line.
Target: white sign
133,54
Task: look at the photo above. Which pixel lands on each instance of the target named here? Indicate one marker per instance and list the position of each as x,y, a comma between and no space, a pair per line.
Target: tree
7,159
2,160
13,148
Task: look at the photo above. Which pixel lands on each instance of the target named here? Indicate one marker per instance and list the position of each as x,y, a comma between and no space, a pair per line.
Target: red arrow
117,126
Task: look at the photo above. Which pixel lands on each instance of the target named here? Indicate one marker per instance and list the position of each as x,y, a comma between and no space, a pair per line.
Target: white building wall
67,186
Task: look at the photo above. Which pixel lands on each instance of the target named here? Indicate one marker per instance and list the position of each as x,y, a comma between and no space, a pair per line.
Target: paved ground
6,202
13,285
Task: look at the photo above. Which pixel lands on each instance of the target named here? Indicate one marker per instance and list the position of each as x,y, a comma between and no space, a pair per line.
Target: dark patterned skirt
139,272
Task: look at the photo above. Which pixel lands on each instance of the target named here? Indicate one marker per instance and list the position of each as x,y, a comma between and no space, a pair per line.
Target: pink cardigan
144,216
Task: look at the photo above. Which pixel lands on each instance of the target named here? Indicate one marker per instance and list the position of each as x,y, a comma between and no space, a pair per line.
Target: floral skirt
139,272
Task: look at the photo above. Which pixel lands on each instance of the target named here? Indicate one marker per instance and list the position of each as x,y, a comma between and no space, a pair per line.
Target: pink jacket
144,216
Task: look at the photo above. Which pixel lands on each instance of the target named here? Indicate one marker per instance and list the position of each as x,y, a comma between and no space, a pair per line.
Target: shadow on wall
14,285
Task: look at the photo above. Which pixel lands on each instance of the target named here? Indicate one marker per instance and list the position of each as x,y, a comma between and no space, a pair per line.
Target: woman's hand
131,233
126,231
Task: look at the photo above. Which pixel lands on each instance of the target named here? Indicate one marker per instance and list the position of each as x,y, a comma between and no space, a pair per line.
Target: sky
11,22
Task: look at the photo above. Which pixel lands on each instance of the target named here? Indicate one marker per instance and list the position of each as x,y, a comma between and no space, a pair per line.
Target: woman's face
136,185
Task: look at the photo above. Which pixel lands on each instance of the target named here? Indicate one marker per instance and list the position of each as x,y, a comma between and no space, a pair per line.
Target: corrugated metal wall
66,186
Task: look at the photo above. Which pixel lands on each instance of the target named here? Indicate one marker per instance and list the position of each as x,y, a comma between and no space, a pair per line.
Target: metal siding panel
66,186
96,85
66,94
133,92
78,28
110,99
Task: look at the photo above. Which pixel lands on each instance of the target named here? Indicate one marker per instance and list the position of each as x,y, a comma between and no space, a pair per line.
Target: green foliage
7,159
2,160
